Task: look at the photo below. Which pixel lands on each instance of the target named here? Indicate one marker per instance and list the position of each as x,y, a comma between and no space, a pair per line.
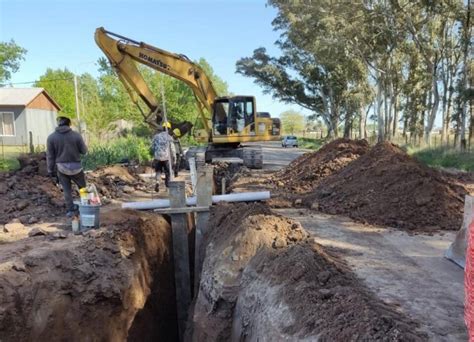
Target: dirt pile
229,172
27,195
306,172
305,293
93,287
113,181
33,163
389,188
264,279
237,233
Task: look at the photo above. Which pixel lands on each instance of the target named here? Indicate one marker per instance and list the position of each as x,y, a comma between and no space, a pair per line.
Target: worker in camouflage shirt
163,153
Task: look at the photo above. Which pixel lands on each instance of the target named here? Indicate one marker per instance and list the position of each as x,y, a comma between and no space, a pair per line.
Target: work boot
157,187
73,212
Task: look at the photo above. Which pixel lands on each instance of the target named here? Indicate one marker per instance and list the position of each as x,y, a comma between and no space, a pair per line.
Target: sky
60,34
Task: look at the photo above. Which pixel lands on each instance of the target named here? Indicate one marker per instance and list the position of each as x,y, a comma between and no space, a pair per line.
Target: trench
264,278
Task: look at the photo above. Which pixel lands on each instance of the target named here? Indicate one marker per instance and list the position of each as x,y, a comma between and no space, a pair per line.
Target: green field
445,157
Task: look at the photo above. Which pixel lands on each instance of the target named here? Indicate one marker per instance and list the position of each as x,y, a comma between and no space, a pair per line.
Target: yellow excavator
228,122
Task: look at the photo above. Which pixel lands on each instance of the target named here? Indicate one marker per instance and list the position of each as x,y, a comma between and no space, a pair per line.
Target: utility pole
77,103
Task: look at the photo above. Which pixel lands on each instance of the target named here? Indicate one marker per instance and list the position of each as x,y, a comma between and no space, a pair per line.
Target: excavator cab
234,116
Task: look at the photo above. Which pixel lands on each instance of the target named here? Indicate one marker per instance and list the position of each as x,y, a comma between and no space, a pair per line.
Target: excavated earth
264,279
29,196
227,172
111,284
306,172
387,187
114,181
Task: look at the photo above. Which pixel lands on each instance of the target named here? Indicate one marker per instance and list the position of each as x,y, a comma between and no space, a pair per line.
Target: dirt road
275,157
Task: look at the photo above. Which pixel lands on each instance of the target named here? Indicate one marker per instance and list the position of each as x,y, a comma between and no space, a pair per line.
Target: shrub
9,164
445,157
124,149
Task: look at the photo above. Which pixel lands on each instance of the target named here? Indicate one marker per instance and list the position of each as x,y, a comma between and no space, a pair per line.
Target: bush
9,164
123,149
445,157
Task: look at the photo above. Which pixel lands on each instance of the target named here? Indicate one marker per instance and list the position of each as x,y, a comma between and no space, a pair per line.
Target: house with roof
27,116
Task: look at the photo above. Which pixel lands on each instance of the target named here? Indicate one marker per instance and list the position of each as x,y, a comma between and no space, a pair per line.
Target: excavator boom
227,121
122,54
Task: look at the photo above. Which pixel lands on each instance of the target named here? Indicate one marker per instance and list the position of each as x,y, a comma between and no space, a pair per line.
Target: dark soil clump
27,194
227,171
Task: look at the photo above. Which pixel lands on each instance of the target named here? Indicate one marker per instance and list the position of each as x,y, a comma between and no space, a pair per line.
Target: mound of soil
91,287
389,188
28,196
264,279
113,181
229,172
305,293
33,163
306,172
237,232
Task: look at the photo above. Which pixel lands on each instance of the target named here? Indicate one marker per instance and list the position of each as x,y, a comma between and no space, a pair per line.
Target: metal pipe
191,201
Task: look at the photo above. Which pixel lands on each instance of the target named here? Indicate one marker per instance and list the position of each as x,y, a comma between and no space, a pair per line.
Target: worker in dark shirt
64,150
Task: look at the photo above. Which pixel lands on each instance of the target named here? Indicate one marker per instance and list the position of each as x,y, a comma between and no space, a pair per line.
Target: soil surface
28,195
389,188
90,287
115,181
228,171
306,172
263,279
405,270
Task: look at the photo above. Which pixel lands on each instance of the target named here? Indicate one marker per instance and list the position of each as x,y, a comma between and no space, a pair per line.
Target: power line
42,81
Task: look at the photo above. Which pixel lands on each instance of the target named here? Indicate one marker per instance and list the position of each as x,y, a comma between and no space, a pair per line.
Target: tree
60,85
316,69
178,97
292,121
402,58
10,56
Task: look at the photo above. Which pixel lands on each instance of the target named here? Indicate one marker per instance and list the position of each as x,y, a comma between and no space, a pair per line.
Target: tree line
406,63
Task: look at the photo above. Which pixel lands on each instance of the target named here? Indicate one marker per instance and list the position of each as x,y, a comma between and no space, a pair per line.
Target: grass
313,144
444,157
8,157
9,164
129,148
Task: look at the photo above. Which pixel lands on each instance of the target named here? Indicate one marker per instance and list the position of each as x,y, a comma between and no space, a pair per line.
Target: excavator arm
123,52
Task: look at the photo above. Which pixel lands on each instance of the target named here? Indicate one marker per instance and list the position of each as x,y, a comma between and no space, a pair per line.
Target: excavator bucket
457,251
